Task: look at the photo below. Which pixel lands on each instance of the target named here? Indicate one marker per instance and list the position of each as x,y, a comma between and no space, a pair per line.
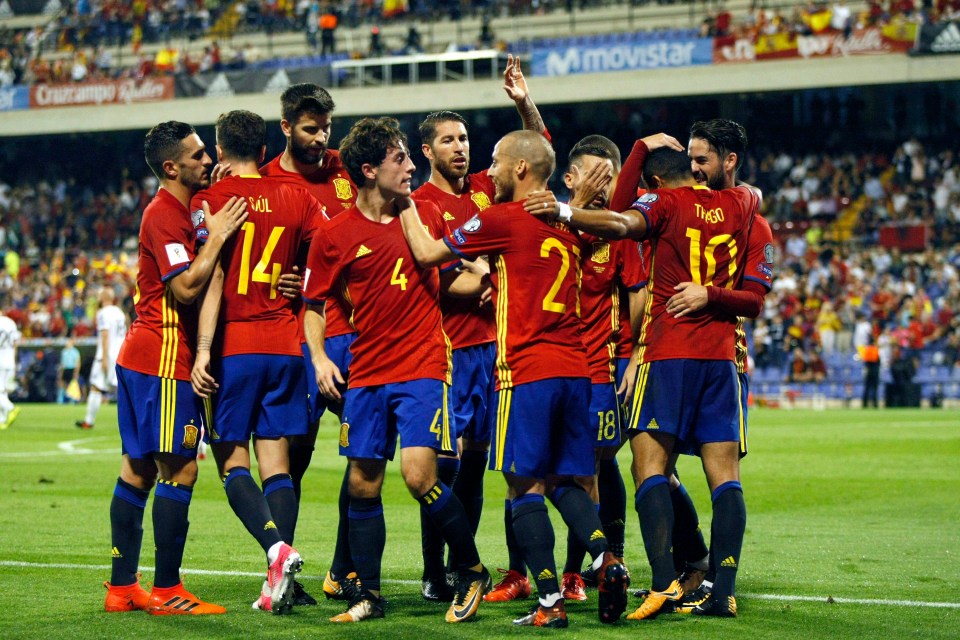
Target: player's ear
427,151
568,179
286,127
730,162
521,169
219,153
656,182
369,171
263,154
170,169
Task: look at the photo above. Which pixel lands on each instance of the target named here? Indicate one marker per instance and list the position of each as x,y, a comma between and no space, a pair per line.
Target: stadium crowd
78,45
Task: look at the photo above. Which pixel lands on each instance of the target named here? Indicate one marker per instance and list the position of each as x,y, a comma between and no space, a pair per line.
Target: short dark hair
595,145
241,134
723,136
305,97
367,143
164,142
428,128
669,164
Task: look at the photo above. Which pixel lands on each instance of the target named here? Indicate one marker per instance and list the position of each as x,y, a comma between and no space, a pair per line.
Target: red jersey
160,342
607,266
759,268
331,185
465,322
536,277
282,217
699,235
395,303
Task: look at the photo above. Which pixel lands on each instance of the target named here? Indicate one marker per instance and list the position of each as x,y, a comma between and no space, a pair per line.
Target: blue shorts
157,415
473,389
605,410
416,410
337,349
696,401
544,428
260,394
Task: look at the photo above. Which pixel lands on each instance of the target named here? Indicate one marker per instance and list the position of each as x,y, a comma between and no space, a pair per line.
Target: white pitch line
259,574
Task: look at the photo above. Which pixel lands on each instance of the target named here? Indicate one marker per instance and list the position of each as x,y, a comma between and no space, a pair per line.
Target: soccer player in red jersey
470,326
260,385
307,122
607,266
159,416
400,369
695,232
543,437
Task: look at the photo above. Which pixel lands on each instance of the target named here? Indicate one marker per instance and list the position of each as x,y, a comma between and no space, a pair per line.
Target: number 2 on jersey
260,271
709,257
549,302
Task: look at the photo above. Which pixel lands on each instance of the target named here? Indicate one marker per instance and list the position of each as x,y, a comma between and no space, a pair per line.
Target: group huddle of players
478,319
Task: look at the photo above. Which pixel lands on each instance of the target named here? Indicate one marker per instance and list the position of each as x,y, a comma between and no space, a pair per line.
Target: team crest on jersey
190,434
601,252
646,201
472,225
344,188
344,435
480,199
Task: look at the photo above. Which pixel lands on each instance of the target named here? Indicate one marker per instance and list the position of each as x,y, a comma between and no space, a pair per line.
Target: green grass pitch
851,533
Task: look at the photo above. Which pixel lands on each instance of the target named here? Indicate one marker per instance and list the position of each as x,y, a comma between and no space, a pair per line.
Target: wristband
565,215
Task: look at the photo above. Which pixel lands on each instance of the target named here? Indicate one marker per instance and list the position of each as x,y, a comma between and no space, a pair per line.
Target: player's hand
542,204
513,81
625,392
690,297
479,267
405,205
660,140
290,285
487,296
328,376
220,171
227,220
204,384
591,185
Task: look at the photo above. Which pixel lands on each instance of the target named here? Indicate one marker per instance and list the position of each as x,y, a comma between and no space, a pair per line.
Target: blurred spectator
870,355
377,50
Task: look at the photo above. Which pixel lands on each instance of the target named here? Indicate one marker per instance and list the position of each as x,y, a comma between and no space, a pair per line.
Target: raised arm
427,250
516,87
188,286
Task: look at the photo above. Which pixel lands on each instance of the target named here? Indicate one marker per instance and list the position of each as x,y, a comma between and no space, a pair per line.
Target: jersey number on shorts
398,278
608,425
549,302
708,256
260,271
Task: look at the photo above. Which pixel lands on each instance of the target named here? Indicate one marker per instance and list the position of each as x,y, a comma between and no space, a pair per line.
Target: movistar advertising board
622,56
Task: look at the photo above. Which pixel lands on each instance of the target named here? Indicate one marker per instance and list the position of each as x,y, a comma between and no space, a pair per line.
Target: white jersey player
9,337
111,330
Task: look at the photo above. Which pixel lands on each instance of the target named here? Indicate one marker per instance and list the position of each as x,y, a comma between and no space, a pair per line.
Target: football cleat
280,578
436,590
81,424
572,587
613,580
514,586
589,576
721,608
178,601
263,602
131,597
336,589
554,617
300,597
364,607
690,579
471,585
697,597
658,602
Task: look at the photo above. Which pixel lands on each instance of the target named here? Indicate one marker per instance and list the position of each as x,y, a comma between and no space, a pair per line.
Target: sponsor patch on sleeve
176,253
459,237
768,253
645,201
472,225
